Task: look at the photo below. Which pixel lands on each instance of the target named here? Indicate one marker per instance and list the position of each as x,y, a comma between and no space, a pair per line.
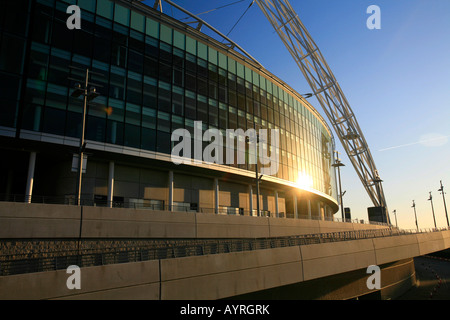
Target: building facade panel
154,75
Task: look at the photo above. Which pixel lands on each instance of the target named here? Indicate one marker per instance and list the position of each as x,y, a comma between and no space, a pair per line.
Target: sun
304,181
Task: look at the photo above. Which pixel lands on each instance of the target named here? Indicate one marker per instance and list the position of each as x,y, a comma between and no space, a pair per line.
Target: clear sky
396,79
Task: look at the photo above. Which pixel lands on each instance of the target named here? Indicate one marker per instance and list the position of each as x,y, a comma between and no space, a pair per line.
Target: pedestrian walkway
433,280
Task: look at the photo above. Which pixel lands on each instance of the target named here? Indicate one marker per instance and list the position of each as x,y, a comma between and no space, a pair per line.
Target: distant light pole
88,95
445,205
395,215
432,210
415,214
338,164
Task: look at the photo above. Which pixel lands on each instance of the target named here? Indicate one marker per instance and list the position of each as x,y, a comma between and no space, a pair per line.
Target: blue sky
396,80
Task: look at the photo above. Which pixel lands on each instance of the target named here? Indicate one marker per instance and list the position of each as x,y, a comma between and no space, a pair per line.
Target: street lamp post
415,214
257,176
432,210
395,215
338,164
445,205
88,95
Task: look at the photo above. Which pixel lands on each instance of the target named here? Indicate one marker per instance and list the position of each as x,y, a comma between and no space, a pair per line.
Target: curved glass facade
153,79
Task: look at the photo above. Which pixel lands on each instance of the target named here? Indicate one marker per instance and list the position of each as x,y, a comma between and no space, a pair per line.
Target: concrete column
170,190
309,209
110,184
250,199
277,212
294,198
30,178
216,195
319,211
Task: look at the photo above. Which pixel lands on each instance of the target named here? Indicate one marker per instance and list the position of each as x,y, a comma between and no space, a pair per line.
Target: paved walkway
433,280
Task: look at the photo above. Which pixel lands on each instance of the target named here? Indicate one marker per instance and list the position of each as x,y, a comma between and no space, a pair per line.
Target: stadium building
154,74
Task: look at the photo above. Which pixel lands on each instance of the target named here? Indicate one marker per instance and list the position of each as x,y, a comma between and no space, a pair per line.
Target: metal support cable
240,18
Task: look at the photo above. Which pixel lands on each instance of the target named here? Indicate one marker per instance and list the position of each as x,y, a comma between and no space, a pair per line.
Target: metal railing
145,204
169,249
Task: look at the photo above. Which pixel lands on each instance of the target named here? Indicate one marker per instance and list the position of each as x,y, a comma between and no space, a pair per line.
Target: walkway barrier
158,205
168,249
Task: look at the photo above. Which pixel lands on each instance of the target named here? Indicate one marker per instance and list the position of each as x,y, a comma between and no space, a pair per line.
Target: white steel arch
325,87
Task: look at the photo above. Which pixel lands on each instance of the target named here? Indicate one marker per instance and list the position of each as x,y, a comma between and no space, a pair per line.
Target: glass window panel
95,129
222,77
165,72
105,8
179,40
202,108
117,109
165,52
122,15
59,71
149,118
166,34
212,72
202,86
150,67
8,113
213,90
212,56
231,65
32,115
191,45
177,100
42,24
191,63
202,67
88,5
163,121
35,91
135,61
213,113
190,105
56,96
150,92
255,77
202,51
11,54
232,81
222,94
39,56
117,86
240,70
137,21
132,136
118,55
163,143
133,114
190,81
164,96
177,122
248,74
114,132
136,41
222,59
178,77
54,121
178,58
152,28
148,139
